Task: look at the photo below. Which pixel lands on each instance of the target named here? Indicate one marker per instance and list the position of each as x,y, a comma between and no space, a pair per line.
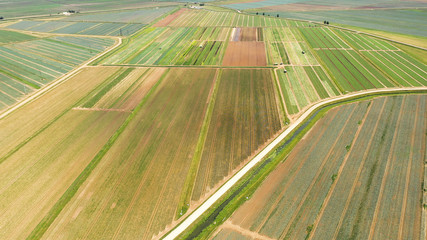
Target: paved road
233,180
54,84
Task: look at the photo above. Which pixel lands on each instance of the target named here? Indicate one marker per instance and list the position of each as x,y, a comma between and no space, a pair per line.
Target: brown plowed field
248,34
165,21
245,54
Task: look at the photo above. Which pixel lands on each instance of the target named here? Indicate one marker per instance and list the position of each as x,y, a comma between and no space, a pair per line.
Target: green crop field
31,64
357,175
81,28
119,124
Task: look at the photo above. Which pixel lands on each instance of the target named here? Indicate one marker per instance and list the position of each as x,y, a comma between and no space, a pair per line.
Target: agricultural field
245,54
202,18
364,181
81,28
145,16
29,65
178,46
134,141
238,127
302,86
410,20
10,36
20,8
135,192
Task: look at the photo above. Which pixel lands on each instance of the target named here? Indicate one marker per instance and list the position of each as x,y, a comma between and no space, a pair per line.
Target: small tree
256,13
277,15
324,22
263,14
1,18
327,22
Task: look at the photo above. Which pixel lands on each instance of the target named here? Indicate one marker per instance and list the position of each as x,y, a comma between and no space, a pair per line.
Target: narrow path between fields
181,227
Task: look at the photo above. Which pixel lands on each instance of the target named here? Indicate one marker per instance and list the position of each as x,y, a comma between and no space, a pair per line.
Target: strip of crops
134,16
320,37
84,28
288,95
363,42
396,73
35,63
10,36
244,117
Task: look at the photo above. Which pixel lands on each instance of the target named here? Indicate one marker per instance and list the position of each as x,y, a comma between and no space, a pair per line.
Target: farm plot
351,71
62,151
244,117
134,16
302,86
363,42
244,20
29,65
125,90
27,121
199,18
245,54
83,28
133,192
176,47
363,182
244,34
277,53
322,37
133,46
10,36
399,66
299,54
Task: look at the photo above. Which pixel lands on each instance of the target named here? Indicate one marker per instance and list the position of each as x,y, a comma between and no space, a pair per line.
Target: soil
245,54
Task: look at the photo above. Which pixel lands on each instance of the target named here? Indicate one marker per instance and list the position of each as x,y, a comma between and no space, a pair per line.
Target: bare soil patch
245,54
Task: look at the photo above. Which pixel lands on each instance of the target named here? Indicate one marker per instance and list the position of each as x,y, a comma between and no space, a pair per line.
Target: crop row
178,47
201,18
399,66
301,86
134,16
351,71
282,34
84,28
10,36
322,37
363,42
29,65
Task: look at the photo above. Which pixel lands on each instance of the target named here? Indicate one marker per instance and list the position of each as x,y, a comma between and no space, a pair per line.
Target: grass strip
197,157
45,223
246,186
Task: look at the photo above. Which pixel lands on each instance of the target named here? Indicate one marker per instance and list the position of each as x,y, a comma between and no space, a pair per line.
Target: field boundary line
57,82
185,223
244,231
